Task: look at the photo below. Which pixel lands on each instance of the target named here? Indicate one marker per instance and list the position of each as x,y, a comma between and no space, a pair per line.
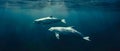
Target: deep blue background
101,23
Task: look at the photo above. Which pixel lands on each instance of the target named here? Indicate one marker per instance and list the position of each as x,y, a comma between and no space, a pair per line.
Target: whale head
51,29
55,29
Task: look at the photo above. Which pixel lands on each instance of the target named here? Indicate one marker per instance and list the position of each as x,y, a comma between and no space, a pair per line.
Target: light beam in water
55,8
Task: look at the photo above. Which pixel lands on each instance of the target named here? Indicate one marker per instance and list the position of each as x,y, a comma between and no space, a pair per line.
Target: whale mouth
50,29
36,22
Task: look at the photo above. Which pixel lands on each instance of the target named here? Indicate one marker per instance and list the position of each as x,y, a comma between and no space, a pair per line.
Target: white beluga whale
66,30
49,20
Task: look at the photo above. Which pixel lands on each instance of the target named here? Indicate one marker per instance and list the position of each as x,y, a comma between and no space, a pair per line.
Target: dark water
18,33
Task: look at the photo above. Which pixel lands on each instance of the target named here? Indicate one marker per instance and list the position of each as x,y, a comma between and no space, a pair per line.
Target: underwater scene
59,25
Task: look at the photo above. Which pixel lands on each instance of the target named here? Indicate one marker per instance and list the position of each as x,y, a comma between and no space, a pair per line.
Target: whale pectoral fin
57,35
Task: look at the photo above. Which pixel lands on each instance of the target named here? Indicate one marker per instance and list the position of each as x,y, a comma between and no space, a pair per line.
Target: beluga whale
49,20
67,30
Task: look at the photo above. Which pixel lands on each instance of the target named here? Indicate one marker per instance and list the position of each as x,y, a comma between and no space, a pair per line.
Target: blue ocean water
18,33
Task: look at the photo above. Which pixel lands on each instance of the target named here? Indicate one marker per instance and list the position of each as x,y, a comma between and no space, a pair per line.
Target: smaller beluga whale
49,20
67,30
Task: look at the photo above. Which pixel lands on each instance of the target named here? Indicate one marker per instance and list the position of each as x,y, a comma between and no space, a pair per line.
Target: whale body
66,30
49,20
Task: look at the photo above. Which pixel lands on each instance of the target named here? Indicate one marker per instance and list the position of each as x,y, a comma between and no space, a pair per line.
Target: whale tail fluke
63,20
84,37
87,38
